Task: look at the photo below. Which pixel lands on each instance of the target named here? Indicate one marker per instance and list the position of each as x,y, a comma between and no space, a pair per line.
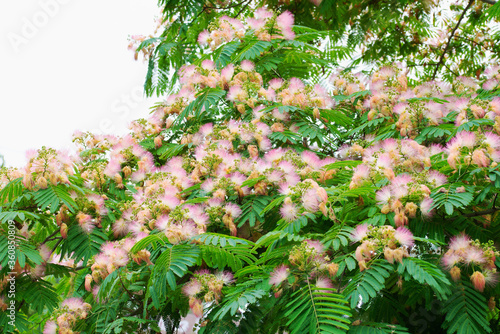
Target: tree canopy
311,167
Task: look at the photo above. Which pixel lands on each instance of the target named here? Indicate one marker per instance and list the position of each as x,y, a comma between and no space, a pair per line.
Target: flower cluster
205,287
127,158
492,76
114,254
481,149
91,146
469,254
136,40
92,208
158,205
308,261
71,310
404,163
8,174
265,24
47,166
425,105
377,240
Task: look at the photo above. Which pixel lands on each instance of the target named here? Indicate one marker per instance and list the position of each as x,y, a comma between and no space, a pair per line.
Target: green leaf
220,252
466,311
426,273
175,261
152,239
366,284
252,209
53,197
252,50
203,102
12,190
320,309
81,245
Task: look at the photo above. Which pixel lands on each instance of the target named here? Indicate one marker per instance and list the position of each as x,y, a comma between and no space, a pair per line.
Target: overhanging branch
441,58
491,2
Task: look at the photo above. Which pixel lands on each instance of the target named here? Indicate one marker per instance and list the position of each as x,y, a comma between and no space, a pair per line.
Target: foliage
270,192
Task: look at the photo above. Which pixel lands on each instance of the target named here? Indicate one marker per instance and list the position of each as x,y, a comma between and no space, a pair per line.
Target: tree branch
242,9
441,58
481,213
484,212
491,2
50,236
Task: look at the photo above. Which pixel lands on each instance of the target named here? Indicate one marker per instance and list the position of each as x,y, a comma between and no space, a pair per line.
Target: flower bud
53,179
253,151
169,123
411,209
278,127
126,171
333,268
88,281
398,255
316,113
362,265
477,279
491,303
158,141
64,231
455,273
323,209
241,108
42,182
389,255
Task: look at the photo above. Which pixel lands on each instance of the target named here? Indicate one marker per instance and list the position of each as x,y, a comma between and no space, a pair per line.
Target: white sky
64,66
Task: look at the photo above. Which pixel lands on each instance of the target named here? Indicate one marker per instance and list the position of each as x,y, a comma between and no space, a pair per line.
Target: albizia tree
268,193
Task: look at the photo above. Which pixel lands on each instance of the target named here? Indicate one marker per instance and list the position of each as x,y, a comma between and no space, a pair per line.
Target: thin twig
50,236
481,213
242,9
441,58
57,244
491,2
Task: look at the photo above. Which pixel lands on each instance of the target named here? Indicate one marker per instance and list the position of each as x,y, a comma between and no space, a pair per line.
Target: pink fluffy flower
225,276
192,288
233,209
285,20
234,92
383,196
288,34
404,236
310,200
316,245
359,233
45,252
50,327
73,303
450,259
436,178
474,255
276,83
263,13
256,24
492,140
208,64
278,275
247,65
203,37
425,207
289,212
227,72
459,242
323,282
